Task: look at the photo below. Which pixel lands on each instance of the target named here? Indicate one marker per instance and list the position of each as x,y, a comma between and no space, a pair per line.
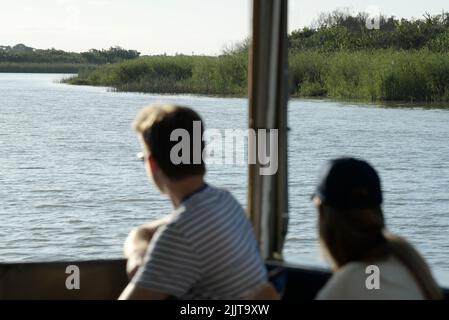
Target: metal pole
268,97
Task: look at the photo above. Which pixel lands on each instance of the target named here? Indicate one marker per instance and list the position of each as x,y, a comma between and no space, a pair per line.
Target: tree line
341,30
21,53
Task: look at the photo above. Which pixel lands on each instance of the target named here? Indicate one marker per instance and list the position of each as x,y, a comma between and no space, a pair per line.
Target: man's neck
178,190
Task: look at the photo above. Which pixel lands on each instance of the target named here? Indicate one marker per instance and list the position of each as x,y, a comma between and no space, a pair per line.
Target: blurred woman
368,261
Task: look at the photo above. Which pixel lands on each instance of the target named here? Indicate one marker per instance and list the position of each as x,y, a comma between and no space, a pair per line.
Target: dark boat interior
105,279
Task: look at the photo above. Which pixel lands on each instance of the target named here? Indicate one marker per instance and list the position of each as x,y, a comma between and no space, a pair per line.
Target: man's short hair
155,125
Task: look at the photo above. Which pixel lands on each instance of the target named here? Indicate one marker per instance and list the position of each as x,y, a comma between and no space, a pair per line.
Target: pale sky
163,26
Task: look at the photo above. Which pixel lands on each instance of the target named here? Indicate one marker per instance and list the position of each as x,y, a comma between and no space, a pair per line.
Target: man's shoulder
205,211
213,190
210,198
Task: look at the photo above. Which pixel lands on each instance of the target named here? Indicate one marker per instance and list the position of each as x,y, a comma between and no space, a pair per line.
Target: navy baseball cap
349,183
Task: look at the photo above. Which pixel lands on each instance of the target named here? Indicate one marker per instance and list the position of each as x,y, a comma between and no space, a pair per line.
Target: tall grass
387,75
374,75
179,74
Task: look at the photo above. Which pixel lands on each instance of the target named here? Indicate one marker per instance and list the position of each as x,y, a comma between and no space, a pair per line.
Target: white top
355,282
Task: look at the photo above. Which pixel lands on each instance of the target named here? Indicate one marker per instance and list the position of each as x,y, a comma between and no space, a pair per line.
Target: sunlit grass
376,75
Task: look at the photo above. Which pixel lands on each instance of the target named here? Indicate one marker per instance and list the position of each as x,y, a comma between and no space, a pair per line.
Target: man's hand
137,242
134,263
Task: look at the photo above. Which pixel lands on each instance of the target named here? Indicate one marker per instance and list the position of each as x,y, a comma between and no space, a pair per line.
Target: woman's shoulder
340,284
356,280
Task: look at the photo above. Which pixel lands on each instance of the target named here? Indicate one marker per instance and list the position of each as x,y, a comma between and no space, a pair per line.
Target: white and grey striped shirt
206,251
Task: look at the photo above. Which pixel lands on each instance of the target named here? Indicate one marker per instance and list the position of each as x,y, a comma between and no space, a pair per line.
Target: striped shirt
206,251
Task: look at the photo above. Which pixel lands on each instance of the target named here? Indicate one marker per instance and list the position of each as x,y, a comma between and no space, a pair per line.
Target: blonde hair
360,235
410,257
149,115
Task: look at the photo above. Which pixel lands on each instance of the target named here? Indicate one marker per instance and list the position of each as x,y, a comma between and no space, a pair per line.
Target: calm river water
71,188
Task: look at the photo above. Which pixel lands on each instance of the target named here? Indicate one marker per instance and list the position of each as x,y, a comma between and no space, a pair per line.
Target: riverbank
374,75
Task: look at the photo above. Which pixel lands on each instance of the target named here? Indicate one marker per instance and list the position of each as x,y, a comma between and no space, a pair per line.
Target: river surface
71,187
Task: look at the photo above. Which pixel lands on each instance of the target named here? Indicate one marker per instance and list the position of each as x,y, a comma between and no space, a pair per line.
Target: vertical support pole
268,98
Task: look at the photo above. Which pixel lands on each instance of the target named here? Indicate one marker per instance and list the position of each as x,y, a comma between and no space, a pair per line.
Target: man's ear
153,165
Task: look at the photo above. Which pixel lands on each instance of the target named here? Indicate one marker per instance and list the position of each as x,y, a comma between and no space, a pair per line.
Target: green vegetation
387,75
21,58
382,74
226,75
340,58
340,30
402,60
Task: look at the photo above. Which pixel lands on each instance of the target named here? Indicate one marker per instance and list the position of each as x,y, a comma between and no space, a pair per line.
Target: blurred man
205,249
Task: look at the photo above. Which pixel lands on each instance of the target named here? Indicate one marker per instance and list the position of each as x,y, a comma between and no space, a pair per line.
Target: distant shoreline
220,77
377,76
